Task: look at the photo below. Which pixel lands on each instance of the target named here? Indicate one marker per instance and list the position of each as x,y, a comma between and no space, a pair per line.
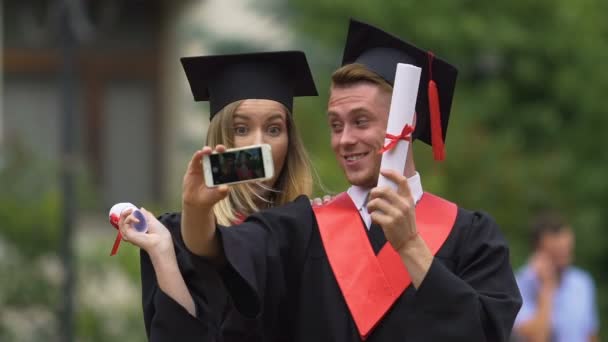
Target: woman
251,97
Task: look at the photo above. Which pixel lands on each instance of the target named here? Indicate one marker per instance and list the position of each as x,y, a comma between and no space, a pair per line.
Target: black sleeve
167,320
480,300
264,256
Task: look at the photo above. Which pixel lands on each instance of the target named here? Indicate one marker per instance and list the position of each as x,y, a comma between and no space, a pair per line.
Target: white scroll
403,107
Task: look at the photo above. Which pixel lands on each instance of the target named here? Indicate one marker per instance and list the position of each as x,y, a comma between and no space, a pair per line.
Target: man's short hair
351,74
548,222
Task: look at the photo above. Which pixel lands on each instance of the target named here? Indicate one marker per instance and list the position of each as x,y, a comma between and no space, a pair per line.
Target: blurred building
136,122
119,109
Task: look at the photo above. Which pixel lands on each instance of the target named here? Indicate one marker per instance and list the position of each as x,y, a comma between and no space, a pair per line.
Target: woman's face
263,122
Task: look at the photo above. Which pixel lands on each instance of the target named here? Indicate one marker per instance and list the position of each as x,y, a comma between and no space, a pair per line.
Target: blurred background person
559,303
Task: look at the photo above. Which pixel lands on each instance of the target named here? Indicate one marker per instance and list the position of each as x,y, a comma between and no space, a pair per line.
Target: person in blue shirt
558,298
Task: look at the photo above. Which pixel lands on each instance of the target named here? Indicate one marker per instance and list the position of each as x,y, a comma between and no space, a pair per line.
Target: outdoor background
527,131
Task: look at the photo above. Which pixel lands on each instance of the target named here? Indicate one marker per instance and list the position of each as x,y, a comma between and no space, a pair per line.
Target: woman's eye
240,130
274,130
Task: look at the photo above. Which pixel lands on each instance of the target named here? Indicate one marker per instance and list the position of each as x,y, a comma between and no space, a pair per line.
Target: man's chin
360,180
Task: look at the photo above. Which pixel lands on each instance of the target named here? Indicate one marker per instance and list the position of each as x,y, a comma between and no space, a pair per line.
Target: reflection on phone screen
237,166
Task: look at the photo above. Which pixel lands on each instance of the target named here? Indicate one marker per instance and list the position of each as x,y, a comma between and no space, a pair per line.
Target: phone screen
237,166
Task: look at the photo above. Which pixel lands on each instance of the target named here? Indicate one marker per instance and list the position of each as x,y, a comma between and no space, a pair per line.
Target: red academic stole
370,284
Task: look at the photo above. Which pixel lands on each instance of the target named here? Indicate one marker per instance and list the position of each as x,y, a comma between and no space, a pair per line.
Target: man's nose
348,136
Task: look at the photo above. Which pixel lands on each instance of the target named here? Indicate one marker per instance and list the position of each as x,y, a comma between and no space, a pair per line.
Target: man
410,267
558,298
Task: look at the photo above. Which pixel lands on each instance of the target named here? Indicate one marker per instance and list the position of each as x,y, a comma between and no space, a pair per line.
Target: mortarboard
222,79
380,52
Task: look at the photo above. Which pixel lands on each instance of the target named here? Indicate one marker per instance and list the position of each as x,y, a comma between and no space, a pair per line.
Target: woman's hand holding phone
198,221
195,193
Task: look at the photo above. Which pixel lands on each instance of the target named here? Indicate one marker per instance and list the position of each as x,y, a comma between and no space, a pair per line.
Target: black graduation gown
278,272
216,319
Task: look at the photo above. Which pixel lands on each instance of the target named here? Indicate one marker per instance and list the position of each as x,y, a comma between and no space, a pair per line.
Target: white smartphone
238,165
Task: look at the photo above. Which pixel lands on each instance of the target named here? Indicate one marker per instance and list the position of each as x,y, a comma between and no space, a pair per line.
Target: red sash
370,284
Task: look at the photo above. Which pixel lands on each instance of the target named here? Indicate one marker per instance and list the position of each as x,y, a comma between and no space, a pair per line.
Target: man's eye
361,122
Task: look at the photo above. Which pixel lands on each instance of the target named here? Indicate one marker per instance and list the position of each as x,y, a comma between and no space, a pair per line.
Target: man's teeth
354,157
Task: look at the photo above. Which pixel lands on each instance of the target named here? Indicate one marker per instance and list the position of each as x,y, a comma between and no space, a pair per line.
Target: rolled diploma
403,107
117,210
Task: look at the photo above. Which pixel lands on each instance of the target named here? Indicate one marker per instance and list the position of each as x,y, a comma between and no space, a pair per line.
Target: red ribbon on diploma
114,221
406,134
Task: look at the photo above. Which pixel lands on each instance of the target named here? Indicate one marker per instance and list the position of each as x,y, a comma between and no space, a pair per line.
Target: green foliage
29,207
30,201
30,290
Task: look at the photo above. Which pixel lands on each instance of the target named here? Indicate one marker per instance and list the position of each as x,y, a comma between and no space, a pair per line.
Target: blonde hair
350,74
295,178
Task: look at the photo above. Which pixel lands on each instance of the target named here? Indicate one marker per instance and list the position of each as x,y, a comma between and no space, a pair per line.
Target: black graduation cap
222,79
380,52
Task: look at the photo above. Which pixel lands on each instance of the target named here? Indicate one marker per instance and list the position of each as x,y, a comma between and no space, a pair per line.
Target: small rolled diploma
116,211
119,208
